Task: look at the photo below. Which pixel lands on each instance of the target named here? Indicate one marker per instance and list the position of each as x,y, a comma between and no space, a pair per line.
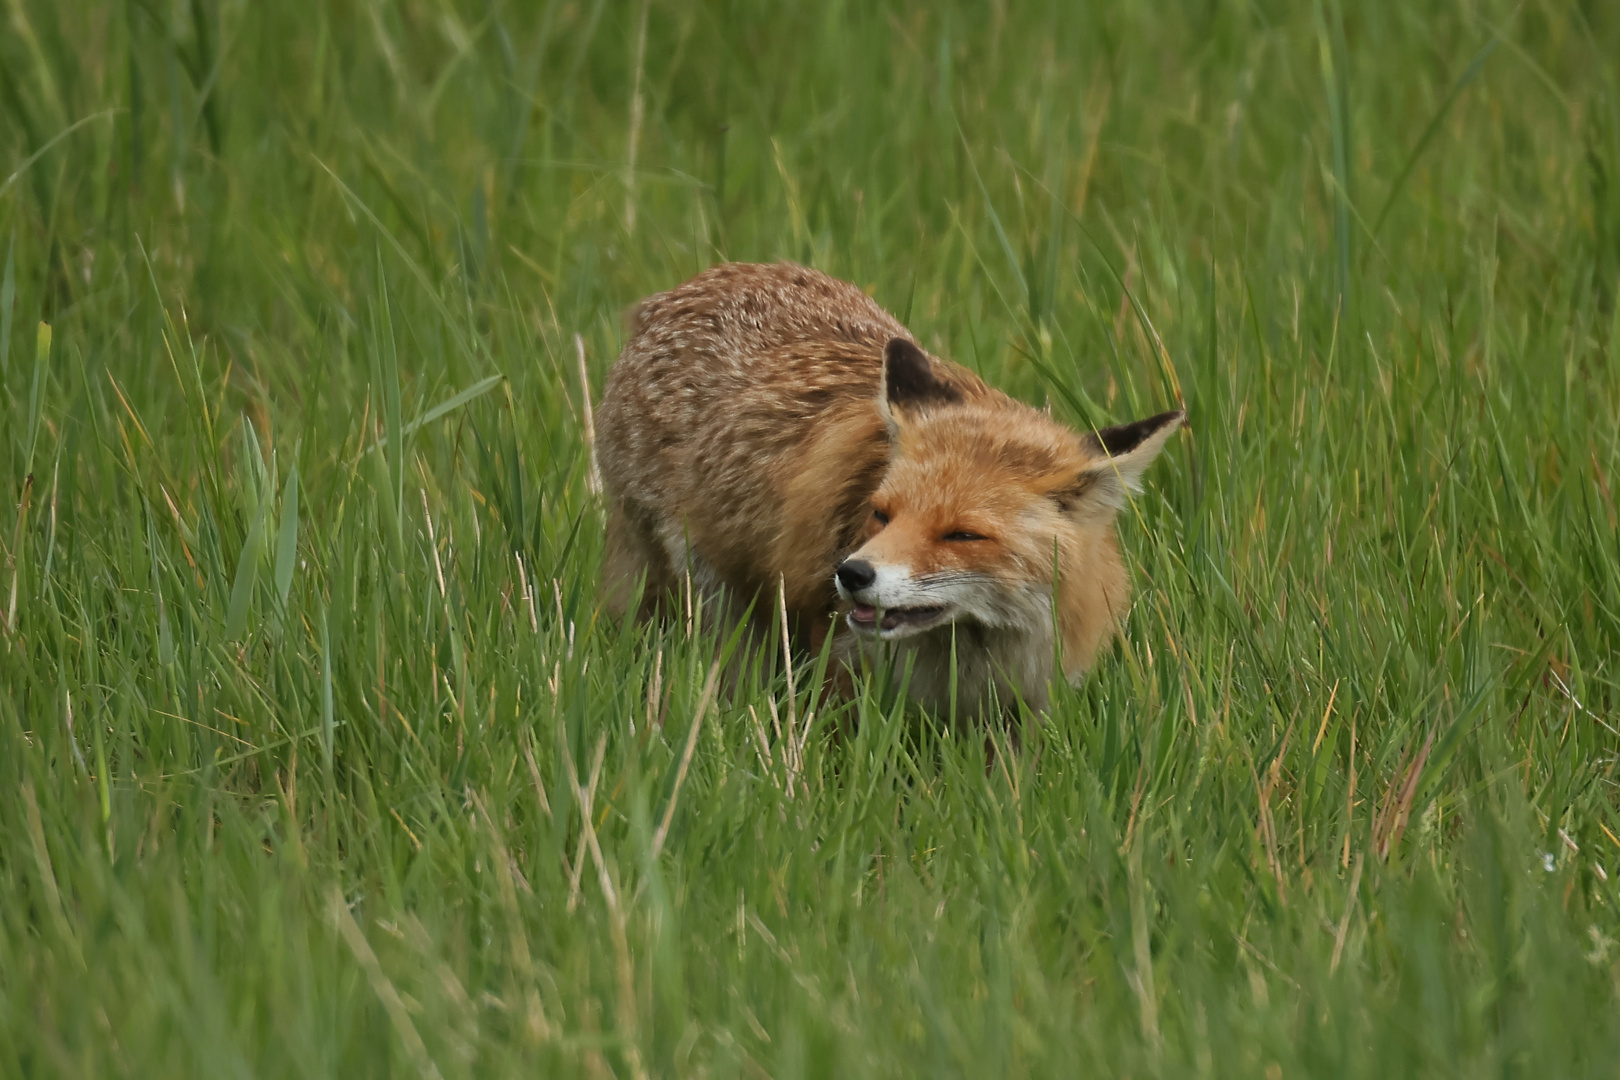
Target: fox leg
634,557
694,582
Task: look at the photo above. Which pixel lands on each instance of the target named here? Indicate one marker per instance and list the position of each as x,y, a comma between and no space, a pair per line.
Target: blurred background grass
316,757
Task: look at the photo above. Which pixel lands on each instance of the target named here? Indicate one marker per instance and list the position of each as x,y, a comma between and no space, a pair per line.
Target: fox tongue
864,613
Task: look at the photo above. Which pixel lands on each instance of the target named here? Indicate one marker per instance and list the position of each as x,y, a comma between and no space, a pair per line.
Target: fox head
986,504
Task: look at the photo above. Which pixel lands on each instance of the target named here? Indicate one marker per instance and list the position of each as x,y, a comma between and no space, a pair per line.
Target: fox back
770,427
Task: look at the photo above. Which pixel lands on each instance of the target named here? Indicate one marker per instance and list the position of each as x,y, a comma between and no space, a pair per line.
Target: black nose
856,574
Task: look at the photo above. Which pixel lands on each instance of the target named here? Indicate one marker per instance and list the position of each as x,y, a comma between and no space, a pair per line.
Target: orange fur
760,415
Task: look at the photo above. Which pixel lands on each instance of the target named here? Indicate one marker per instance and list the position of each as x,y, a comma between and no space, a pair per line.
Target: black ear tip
902,353
1115,441
908,376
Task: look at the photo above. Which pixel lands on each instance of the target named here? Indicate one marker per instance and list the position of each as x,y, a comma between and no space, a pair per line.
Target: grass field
318,758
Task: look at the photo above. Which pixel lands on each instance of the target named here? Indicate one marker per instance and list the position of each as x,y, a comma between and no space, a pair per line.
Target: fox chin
771,428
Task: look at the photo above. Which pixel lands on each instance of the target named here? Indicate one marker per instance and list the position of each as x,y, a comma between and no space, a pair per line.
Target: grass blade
287,537
8,297
326,691
36,392
445,407
165,635
247,574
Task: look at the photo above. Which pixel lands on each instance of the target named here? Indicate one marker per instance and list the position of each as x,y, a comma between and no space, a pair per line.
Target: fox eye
962,536
880,517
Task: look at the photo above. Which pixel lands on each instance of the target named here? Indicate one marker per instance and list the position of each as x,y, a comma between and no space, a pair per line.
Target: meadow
318,756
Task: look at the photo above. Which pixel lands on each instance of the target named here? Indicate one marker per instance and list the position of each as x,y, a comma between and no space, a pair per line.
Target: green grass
302,673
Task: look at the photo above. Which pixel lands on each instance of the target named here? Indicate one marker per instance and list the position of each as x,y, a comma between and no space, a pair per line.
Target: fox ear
1122,455
909,379
909,382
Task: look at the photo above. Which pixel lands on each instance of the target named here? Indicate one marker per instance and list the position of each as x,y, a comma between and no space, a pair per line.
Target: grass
317,756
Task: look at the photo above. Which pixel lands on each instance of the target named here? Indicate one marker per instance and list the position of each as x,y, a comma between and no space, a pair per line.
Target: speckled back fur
709,423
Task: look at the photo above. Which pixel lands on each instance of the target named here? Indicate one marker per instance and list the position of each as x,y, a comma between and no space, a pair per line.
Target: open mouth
865,617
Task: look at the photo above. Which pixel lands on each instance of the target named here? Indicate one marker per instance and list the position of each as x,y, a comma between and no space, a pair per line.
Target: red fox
771,427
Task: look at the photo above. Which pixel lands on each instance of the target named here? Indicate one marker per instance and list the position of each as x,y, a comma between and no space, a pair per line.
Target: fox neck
1011,661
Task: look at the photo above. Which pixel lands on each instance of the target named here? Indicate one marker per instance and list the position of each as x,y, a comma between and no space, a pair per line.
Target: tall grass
318,756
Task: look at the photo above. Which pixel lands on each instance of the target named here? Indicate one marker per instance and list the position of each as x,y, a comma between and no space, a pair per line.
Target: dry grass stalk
1267,826
1344,920
528,595
704,700
637,113
393,1004
623,965
537,1027
593,479
534,774
587,803
1390,823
